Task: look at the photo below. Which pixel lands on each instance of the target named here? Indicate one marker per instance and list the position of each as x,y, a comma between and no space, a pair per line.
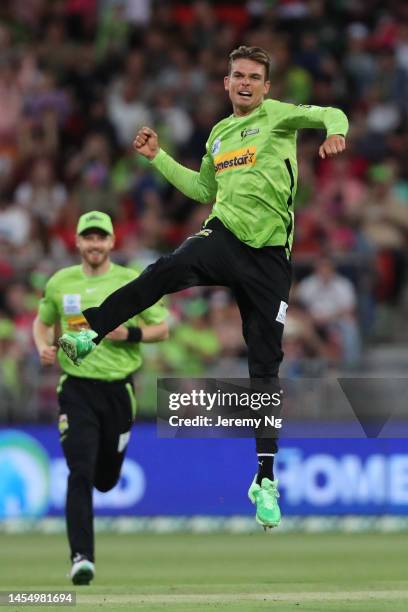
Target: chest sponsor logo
249,132
76,323
71,303
216,146
240,158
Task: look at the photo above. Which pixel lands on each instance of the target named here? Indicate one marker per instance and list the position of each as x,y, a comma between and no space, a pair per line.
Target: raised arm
200,186
333,120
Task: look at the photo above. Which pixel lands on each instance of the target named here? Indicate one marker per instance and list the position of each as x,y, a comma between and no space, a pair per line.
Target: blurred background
79,77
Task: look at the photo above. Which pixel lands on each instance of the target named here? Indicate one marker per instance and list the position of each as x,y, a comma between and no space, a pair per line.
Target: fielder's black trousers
95,422
259,279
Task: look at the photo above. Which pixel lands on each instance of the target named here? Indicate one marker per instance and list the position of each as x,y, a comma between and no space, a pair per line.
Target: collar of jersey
252,114
95,278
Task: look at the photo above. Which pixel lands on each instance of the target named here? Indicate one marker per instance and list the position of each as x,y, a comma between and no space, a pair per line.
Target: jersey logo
77,322
204,232
249,132
216,146
281,316
235,159
71,303
123,441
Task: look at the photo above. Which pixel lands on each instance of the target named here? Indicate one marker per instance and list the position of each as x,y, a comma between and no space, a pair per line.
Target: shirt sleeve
200,186
301,116
47,309
155,314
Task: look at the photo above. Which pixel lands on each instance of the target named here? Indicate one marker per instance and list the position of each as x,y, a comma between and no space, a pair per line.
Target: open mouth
245,94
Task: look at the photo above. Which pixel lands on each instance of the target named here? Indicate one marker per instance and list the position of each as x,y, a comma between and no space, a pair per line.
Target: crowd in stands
79,77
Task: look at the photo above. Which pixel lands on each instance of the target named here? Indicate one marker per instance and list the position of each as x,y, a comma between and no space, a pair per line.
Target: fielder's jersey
250,169
69,292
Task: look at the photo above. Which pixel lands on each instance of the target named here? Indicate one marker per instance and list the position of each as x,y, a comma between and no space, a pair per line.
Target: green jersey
69,292
250,169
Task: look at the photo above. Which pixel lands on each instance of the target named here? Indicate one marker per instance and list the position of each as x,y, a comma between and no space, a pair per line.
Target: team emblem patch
216,146
71,303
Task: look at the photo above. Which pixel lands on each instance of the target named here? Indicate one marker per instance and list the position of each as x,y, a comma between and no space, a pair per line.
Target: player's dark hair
256,54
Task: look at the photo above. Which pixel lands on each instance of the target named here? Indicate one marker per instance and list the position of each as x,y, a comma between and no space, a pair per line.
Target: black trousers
95,422
259,279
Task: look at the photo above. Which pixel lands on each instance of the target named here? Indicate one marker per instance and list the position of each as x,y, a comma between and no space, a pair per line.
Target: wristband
134,334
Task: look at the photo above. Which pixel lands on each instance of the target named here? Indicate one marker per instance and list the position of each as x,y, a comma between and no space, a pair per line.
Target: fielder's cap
94,220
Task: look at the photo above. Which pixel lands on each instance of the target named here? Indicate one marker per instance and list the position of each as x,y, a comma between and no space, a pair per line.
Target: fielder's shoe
265,497
76,346
82,570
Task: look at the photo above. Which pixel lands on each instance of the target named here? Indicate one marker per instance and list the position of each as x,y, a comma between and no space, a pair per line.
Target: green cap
94,220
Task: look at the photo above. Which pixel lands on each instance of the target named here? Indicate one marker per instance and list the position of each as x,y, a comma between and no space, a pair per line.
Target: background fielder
96,398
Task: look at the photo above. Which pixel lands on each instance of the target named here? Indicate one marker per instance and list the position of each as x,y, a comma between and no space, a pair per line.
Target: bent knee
81,475
106,484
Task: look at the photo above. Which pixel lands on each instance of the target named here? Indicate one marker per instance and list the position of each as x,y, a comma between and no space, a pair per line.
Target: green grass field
186,572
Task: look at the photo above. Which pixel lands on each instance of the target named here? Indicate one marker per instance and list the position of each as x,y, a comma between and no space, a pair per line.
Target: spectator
15,225
331,301
304,348
43,198
385,226
172,122
11,355
126,110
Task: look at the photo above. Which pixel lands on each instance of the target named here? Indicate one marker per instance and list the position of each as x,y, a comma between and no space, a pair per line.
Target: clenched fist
48,355
146,143
332,145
